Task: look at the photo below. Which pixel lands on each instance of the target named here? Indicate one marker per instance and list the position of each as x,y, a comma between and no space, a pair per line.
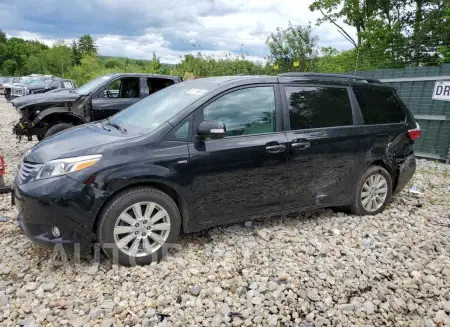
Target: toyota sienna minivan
216,151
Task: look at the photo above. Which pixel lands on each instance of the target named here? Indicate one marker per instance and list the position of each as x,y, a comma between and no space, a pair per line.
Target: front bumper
69,205
406,171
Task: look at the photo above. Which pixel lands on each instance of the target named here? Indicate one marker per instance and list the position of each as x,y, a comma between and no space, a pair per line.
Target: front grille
17,92
28,170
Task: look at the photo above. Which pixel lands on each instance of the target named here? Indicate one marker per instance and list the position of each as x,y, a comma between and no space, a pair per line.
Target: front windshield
27,80
39,82
159,107
92,85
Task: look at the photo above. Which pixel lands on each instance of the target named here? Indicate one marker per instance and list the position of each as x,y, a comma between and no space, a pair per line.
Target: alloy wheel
374,192
141,229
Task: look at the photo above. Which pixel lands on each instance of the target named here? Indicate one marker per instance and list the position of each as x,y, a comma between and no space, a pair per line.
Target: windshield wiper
116,126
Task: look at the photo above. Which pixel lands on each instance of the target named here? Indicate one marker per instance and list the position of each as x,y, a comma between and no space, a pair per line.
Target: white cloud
170,28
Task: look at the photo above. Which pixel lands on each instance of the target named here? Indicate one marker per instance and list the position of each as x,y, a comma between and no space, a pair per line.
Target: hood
78,141
42,98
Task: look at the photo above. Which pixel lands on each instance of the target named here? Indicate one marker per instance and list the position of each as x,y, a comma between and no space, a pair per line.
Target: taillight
2,166
414,133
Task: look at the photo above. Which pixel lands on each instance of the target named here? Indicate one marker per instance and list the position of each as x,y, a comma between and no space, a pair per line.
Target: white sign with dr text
442,91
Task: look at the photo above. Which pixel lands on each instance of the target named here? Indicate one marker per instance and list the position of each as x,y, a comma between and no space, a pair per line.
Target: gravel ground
313,269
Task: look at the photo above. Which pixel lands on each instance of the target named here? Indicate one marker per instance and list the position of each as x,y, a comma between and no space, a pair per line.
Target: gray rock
321,307
91,270
195,290
107,304
313,294
150,313
446,306
346,307
248,224
442,317
79,322
237,322
273,320
323,275
369,307
224,308
340,265
429,323
47,287
264,234
95,313
256,300
108,322
3,300
31,286
411,306
430,279
310,317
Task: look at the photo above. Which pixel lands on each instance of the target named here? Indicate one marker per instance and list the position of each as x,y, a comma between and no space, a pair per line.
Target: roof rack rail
325,75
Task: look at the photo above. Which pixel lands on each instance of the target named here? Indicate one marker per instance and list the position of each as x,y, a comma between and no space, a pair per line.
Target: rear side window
317,107
379,106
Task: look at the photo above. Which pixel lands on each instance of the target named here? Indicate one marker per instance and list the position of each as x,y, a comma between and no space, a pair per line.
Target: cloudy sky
136,28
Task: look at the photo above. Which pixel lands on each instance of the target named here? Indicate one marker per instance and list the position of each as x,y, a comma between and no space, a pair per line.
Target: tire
360,203
56,129
110,220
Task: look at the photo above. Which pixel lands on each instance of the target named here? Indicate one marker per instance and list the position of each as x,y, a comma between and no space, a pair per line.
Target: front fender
55,110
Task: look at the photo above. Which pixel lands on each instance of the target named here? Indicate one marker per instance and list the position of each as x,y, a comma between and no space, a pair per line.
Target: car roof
143,74
290,78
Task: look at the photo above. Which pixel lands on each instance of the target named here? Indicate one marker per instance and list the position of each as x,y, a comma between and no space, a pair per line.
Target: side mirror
212,129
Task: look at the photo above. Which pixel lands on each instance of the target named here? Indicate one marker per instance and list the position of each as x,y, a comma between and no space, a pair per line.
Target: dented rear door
322,139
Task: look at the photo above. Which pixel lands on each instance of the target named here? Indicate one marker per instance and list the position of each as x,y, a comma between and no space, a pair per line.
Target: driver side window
245,111
127,87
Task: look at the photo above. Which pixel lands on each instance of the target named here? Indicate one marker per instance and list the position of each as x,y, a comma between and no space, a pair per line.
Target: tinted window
315,107
245,111
379,106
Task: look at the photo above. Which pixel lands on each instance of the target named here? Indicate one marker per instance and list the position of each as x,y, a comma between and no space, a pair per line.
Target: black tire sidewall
117,206
56,129
357,207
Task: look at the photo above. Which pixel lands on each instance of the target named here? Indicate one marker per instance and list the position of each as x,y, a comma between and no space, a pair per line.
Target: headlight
67,165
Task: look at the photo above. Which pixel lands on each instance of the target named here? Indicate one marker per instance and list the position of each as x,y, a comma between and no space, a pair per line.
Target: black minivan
212,151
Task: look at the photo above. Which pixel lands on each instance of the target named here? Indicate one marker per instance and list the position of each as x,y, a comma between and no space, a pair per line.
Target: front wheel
373,192
139,226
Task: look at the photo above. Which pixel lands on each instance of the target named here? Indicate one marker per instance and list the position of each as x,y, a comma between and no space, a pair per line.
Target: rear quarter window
379,106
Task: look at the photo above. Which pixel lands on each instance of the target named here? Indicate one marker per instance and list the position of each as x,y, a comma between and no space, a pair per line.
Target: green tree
3,38
154,65
86,46
9,67
293,44
76,56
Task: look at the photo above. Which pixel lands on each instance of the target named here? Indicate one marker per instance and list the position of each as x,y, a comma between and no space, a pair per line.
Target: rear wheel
373,192
139,226
57,128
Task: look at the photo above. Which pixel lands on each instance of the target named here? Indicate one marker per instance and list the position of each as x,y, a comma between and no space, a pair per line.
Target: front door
323,166
116,96
241,174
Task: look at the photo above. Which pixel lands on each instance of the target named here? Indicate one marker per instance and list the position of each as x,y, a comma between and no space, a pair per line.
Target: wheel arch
381,163
60,115
169,190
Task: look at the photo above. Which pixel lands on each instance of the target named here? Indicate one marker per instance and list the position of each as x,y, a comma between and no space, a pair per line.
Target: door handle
277,148
300,145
